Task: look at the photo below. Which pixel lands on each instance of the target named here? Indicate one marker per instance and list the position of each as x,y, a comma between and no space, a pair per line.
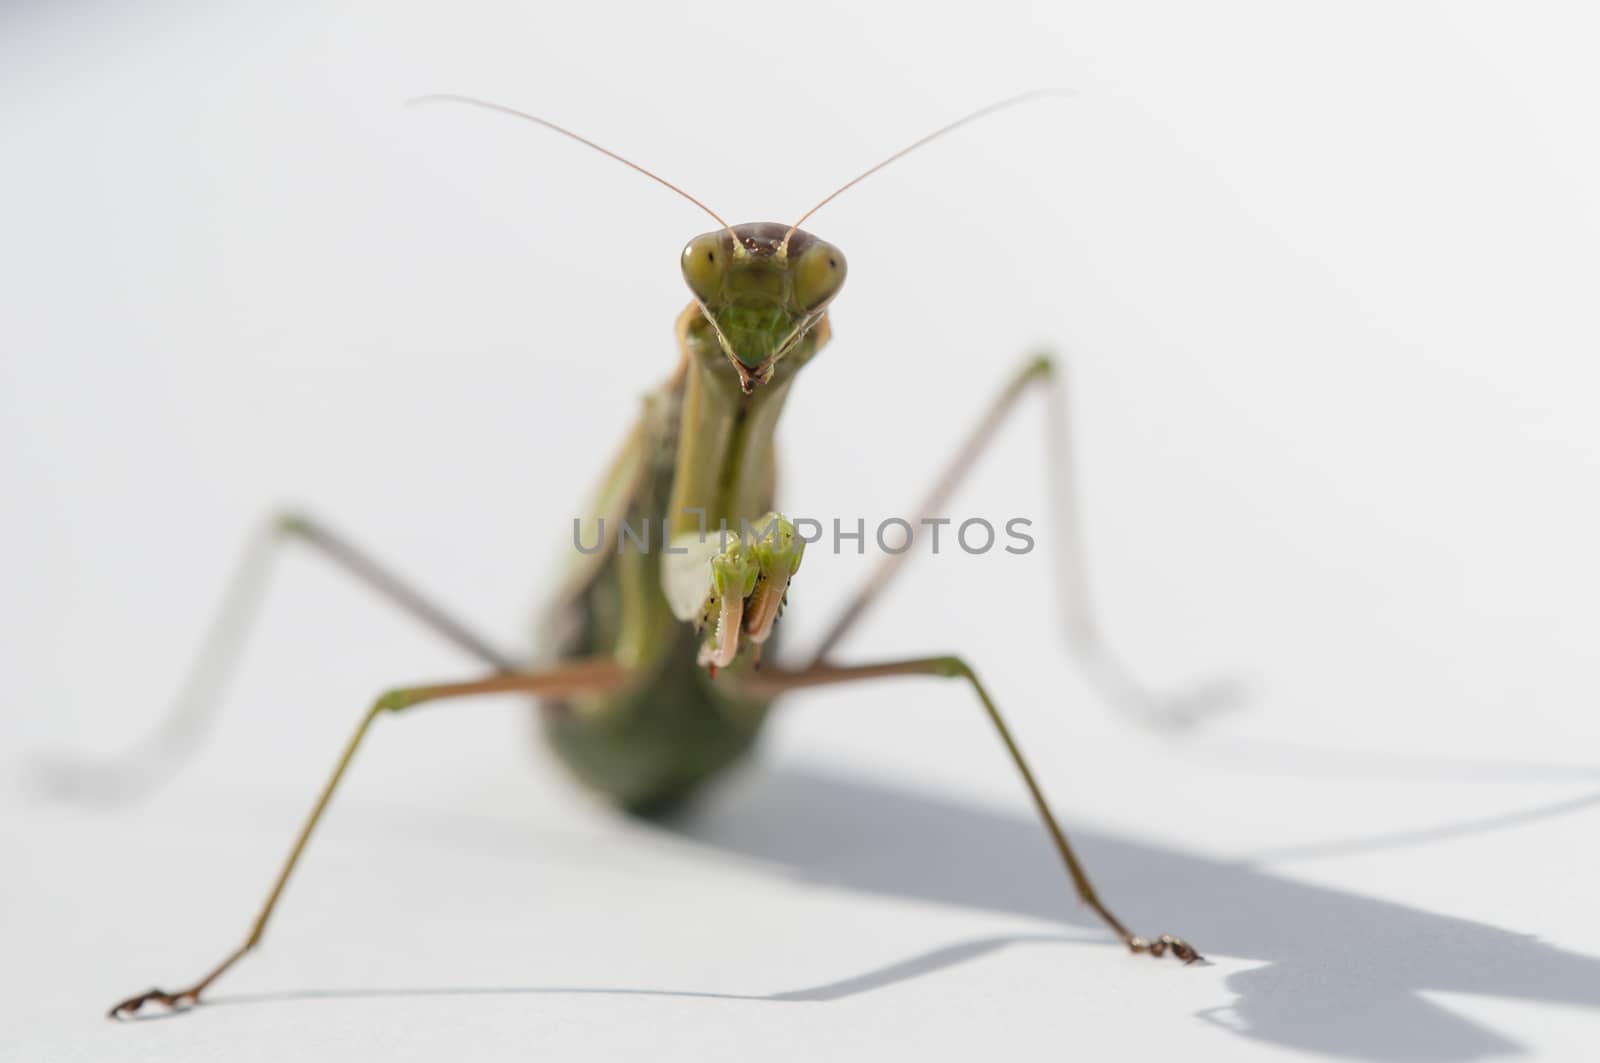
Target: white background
1327,273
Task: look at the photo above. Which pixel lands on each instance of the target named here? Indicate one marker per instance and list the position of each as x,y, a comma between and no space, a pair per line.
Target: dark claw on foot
1179,948
130,1008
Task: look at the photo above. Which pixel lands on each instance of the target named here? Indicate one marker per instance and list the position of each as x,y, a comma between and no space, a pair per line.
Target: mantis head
762,286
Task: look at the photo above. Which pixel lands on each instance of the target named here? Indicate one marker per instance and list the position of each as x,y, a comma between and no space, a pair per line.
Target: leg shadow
1342,974
936,959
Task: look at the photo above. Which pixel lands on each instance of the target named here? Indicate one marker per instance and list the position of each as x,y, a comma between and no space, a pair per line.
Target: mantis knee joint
287,522
394,701
951,668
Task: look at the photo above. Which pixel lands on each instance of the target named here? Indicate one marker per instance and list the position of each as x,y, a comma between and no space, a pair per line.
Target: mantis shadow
1341,974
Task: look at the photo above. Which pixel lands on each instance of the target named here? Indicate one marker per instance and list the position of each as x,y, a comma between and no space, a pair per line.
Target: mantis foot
1180,949
174,1002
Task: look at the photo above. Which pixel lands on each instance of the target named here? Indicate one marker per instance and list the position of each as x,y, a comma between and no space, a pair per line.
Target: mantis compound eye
818,275
704,265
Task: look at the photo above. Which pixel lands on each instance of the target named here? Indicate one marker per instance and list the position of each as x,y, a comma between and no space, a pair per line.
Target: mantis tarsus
656,684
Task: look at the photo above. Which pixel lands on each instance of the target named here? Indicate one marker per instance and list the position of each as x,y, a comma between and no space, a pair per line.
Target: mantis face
762,286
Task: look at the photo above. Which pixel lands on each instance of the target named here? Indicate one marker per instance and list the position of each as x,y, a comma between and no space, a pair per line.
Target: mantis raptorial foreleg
576,677
777,681
160,755
732,585
1118,684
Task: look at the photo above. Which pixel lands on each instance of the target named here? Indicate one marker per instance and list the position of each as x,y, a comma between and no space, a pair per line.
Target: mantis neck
726,463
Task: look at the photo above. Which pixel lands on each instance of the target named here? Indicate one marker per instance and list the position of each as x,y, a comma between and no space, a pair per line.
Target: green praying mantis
651,681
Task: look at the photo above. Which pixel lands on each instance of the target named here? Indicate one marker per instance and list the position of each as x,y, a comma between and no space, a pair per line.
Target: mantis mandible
656,683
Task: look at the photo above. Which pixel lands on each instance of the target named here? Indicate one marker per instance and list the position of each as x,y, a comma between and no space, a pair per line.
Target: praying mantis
650,681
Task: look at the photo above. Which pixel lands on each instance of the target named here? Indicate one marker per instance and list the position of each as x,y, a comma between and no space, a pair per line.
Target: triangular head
762,286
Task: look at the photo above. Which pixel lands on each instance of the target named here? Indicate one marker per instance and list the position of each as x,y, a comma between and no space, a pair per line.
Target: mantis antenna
982,112
471,101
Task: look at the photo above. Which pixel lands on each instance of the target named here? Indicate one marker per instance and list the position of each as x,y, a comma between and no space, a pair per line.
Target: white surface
1328,274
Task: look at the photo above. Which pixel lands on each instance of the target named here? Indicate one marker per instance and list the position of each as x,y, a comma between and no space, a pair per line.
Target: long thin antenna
936,134
472,101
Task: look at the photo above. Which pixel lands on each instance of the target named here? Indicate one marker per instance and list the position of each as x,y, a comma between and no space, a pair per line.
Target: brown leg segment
1115,682
1036,371
773,682
591,676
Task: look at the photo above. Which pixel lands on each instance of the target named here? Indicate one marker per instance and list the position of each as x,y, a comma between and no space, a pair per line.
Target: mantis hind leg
774,682
574,677
163,752
1114,681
